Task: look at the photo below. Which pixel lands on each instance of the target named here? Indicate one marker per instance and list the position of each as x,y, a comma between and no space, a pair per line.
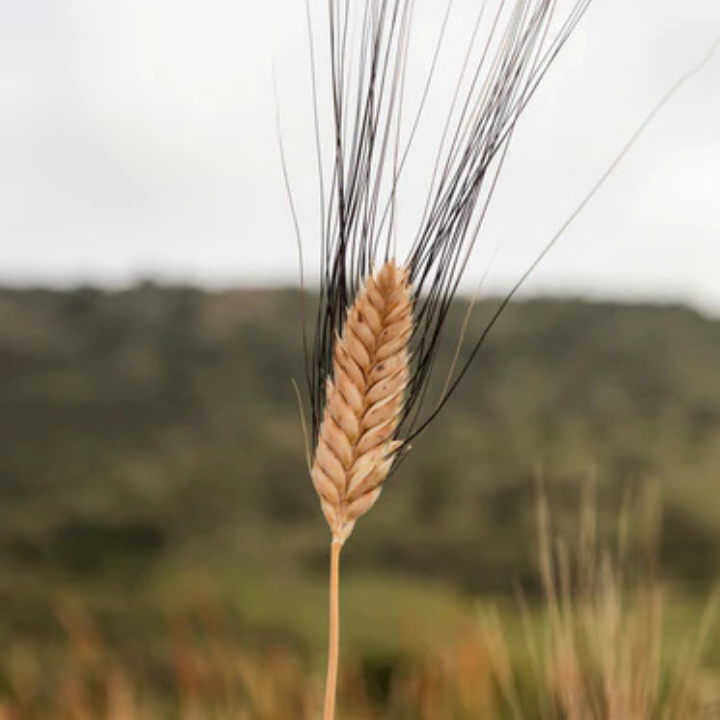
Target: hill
153,433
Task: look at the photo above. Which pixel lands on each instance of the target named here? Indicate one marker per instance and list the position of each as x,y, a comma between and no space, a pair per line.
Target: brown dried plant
377,310
367,399
356,446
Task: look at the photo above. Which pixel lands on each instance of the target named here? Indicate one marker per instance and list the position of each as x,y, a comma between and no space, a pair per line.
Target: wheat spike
356,443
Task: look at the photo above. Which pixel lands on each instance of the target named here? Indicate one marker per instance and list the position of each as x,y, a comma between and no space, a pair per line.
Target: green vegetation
598,647
151,447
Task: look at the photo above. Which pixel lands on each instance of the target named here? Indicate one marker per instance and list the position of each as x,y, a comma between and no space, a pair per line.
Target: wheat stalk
363,393
356,444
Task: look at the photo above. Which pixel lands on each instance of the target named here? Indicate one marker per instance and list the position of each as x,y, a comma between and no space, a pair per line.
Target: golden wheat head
362,393
356,444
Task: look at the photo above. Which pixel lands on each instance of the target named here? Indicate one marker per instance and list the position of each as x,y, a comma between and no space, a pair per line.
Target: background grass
152,454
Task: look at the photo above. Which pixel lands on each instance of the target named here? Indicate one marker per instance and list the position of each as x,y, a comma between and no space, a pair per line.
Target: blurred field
152,467
600,646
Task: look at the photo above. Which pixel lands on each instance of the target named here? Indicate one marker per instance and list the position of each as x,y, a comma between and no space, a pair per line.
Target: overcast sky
137,139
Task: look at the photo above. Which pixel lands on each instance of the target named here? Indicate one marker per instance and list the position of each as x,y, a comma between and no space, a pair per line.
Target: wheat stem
357,444
334,632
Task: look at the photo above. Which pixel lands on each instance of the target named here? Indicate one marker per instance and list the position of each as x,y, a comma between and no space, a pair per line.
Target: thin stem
334,634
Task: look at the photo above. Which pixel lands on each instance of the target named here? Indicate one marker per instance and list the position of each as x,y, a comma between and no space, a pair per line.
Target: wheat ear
357,441
356,444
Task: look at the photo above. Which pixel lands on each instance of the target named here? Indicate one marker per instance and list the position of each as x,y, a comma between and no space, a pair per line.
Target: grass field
243,635
133,488
606,641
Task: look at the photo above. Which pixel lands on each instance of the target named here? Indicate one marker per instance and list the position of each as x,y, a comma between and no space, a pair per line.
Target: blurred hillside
152,435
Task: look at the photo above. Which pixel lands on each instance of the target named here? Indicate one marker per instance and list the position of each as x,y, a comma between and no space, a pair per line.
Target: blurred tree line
147,430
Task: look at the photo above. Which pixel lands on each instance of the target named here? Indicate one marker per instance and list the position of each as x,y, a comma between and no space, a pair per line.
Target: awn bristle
357,442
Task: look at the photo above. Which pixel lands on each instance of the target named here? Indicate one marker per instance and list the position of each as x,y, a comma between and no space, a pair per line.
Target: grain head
357,442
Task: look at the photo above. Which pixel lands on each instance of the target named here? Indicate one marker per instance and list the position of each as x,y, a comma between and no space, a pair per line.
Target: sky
139,139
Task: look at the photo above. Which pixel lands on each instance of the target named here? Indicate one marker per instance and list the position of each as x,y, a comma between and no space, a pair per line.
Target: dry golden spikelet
364,400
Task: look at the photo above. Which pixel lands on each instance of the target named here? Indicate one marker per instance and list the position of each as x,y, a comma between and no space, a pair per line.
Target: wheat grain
362,393
356,444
